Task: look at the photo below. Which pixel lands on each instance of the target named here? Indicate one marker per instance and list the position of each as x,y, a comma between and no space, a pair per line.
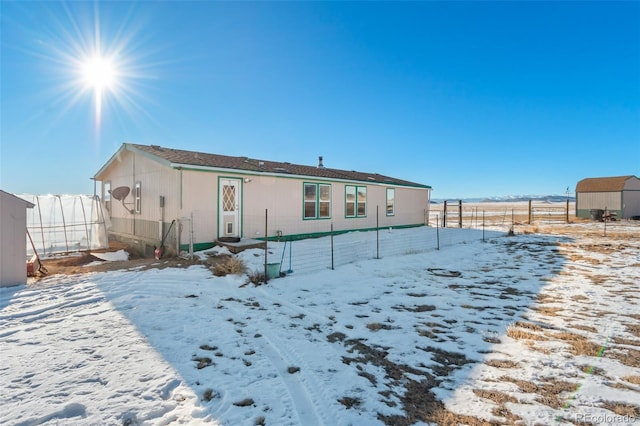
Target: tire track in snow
302,391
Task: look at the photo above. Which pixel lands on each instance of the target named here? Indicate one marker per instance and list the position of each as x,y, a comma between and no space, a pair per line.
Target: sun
99,73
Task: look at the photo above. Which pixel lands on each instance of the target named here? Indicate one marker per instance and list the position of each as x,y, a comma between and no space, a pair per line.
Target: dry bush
501,363
231,265
622,409
257,277
632,379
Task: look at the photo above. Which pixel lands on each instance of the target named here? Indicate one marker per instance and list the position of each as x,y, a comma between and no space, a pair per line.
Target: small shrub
208,395
231,265
257,277
244,403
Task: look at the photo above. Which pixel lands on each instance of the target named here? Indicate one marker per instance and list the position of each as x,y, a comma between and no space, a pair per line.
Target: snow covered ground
536,329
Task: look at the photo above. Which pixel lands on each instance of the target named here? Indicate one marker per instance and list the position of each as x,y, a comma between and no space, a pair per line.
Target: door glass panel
228,198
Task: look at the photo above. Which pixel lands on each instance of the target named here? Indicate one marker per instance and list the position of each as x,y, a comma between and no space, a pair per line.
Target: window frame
106,194
137,197
393,202
356,202
318,201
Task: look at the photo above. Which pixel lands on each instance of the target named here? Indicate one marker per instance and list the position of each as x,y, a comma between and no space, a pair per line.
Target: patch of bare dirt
85,262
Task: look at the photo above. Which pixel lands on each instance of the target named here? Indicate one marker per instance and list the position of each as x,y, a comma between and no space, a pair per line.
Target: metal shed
619,195
13,241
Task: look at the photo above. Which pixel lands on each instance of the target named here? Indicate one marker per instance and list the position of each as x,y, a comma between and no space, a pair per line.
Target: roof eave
130,148
183,166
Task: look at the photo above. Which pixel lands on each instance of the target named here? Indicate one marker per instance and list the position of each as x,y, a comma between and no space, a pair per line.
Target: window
106,195
355,201
317,201
138,196
391,201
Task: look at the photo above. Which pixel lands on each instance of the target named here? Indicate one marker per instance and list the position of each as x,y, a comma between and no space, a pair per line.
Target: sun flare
99,73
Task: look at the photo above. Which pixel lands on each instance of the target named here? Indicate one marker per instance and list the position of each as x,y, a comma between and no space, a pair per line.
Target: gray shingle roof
201,159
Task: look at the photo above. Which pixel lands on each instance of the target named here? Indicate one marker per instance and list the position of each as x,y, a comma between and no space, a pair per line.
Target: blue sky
472,98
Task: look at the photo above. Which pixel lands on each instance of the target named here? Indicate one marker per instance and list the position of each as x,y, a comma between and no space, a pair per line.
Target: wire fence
503,216
288,254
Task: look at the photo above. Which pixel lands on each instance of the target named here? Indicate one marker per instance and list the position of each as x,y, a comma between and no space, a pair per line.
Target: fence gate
451,213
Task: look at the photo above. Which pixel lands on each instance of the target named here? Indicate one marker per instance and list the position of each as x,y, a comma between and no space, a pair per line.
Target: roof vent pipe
320,165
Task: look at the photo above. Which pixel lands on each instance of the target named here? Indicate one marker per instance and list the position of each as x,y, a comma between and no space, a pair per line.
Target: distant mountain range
509,198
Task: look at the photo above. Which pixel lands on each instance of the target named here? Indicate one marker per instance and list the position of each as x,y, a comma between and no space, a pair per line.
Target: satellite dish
120,193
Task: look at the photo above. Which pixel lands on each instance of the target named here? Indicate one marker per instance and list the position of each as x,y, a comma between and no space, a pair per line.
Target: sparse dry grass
375,326
627,356
495,396
516,332
579,345
632,379
502,363
622,409
551,311
549,391
585,328
633,329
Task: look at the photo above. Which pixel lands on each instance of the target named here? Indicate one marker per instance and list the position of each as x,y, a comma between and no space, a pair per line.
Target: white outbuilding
13,240
618,195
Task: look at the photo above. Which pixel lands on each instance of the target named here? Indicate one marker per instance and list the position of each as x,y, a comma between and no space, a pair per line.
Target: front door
229,209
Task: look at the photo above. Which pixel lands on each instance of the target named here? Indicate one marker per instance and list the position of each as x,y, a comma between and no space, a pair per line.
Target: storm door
229,209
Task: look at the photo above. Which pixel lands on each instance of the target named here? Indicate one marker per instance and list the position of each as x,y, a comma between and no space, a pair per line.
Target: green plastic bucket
273,270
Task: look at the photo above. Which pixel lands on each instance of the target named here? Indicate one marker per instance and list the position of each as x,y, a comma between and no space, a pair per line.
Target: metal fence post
483,226
437,233
266,243
377,232
332,246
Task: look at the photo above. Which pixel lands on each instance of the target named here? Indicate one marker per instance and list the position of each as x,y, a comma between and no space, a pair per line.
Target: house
13,239
215,197
619,195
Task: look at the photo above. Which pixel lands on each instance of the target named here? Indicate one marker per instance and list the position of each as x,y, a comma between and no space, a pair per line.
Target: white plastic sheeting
66,223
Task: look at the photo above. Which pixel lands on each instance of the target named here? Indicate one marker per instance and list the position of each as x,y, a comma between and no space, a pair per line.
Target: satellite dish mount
120,193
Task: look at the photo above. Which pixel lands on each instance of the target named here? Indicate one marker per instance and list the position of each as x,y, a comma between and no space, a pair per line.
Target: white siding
599,200
13,240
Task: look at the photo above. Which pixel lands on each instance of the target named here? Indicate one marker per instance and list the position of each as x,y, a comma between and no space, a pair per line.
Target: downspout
133,185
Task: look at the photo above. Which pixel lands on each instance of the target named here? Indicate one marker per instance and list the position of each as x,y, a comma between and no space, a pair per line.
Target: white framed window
106,194
317,201
391,201
355,201
138,197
